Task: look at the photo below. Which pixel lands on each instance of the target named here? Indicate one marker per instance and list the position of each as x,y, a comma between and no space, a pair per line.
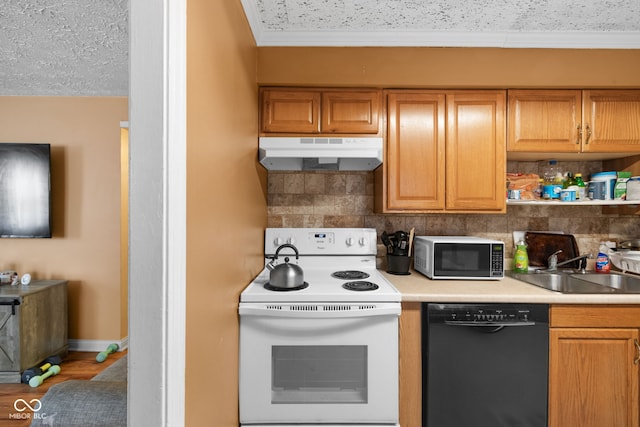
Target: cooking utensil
385,239
401,239
412,233
285,275
399,243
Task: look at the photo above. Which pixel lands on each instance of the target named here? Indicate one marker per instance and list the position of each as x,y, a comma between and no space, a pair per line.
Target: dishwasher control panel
489,313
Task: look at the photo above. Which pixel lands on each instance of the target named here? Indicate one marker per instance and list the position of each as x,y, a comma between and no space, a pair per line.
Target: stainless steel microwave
459,257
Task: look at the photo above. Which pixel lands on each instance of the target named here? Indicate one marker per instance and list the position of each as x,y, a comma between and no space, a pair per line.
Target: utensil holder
398,264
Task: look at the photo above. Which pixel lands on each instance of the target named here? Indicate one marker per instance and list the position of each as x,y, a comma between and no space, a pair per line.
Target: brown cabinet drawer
600,316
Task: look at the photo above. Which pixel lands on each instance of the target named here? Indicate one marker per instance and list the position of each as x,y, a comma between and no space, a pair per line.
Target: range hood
323,153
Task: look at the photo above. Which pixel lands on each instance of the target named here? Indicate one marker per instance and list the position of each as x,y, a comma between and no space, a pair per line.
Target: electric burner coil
360,286
270,287
350,275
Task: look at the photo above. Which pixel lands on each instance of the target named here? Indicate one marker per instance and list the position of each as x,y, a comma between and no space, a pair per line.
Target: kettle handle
286,245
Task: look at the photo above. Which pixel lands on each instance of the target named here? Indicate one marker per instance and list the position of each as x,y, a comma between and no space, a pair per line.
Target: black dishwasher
485,365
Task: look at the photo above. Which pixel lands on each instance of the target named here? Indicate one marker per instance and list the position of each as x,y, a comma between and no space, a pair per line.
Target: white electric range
326,353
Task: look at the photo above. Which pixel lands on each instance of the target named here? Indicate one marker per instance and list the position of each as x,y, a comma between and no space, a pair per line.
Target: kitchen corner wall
346,199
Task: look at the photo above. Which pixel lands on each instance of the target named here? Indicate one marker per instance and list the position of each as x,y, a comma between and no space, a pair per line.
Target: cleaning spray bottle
603,264
521,258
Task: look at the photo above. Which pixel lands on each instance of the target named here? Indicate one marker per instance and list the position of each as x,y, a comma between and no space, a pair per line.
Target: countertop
416,287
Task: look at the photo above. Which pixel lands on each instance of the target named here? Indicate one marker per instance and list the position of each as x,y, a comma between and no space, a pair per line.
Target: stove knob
349,241
277,241
291,241
363,241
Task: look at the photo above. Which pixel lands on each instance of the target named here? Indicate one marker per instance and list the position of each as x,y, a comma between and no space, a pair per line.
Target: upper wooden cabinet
320,111
290,111
611,121
574,121
475,151
544,120
350,111
593,366
414,160
445,151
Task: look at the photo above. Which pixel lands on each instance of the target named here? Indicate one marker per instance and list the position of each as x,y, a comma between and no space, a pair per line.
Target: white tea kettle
285,276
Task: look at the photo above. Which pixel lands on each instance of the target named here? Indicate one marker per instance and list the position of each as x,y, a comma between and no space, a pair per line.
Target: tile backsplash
346,199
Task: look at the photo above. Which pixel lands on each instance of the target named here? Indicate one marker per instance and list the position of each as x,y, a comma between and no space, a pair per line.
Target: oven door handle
320,311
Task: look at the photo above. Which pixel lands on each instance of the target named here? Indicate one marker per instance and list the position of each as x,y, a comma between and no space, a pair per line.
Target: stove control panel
323,241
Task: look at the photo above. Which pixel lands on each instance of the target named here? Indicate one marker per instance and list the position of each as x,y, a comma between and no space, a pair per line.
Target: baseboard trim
97,345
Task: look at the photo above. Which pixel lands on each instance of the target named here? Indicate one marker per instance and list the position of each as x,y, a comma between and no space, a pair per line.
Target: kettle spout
271,264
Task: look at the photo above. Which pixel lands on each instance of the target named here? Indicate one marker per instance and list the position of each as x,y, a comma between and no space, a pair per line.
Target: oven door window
460,259
319,374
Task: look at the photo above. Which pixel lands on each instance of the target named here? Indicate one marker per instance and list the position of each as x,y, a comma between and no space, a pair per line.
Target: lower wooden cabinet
594,370
411,365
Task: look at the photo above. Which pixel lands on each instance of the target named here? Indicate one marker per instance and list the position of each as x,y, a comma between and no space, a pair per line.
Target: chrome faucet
553,264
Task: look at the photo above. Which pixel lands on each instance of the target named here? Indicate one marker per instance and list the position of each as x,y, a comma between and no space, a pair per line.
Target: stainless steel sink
576,283
624,283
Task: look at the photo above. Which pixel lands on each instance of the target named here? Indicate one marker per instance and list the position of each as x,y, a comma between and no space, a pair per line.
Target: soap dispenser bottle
521,258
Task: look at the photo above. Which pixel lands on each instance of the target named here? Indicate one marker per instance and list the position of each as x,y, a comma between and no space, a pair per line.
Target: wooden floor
76,366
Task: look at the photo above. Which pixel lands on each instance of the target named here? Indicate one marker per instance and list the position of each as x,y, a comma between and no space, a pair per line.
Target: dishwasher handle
488,327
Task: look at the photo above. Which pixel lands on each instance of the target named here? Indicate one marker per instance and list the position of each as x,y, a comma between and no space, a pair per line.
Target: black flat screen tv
25,190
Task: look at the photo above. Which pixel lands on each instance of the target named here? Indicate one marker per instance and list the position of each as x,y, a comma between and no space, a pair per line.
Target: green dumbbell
39,379
102,356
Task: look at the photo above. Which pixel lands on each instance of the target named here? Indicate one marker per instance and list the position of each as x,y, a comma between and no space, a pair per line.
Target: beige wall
84,134
226,203
449,67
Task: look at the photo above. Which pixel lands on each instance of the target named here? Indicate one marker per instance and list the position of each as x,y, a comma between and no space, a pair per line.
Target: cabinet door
350,111
611,121
544,120
410,365
593,381
9,337
415,151
475,151
290,111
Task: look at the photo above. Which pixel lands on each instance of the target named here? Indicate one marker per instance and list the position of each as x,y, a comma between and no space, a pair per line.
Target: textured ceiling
64,47
80,47
488,23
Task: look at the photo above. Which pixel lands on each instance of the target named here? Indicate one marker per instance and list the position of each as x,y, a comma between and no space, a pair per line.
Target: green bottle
582,187
521,259
569,181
